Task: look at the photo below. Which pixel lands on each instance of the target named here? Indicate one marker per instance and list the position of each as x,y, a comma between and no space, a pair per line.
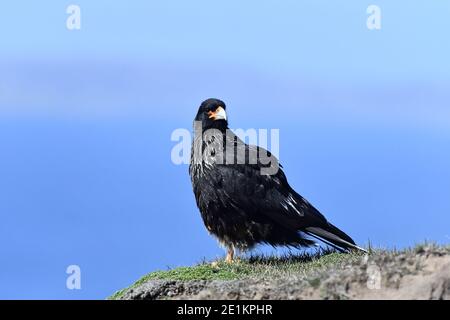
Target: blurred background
86,116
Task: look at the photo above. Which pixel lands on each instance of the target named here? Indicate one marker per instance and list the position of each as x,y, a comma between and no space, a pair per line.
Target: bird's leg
230,255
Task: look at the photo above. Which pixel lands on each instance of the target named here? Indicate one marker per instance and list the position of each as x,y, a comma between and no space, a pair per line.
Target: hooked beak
219,114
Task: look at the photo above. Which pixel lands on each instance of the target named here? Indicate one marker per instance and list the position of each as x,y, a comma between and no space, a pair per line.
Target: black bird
240,203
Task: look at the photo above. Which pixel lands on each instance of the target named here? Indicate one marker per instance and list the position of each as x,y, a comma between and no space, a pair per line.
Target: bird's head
211,114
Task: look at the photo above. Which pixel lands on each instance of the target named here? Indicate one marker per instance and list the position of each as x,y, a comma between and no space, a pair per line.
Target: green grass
252,267
270,267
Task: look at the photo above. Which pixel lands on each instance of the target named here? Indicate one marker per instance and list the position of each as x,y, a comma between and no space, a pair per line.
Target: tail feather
334,237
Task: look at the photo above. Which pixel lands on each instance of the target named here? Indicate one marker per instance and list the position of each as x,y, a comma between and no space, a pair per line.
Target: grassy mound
252,267
325,273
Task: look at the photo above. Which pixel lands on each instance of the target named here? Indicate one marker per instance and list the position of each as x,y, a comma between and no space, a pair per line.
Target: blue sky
86,118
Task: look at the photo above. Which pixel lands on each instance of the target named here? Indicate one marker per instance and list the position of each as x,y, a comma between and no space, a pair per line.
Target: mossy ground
251,267
272,267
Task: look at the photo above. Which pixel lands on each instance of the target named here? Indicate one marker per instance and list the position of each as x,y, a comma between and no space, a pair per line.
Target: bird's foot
230,256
